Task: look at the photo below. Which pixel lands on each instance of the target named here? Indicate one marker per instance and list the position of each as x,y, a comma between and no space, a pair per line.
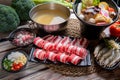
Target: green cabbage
23,7
9,19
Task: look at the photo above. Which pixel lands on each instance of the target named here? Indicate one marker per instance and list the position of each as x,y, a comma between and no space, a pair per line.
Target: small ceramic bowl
14,61
21,37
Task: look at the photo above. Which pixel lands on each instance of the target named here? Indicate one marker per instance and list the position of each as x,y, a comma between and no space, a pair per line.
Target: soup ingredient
96,12
48,17
9,19
14,61
87,3
115,29
23,38
63,2
103,5
22,8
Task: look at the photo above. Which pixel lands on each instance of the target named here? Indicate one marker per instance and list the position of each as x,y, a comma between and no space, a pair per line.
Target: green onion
63,2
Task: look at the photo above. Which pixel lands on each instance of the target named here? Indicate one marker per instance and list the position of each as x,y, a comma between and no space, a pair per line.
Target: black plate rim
5,56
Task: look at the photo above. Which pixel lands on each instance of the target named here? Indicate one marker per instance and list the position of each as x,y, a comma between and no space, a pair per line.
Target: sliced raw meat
62,57
40,54
50,38
45,37
82,52
57,39
51,56
74,59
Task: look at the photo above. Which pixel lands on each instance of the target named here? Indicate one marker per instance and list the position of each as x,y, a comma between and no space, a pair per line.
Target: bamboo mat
73,29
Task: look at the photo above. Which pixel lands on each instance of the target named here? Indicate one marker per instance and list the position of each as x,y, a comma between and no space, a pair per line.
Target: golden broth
49,17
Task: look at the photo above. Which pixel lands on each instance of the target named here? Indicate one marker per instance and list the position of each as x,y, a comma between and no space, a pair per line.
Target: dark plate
102,41
9,54
85,62
109,68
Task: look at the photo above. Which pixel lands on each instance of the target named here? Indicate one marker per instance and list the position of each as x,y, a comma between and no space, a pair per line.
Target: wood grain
37,71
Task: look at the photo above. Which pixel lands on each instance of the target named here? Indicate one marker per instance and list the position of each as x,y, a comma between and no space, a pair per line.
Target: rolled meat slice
84,43
74,41
51,56
40,54
50,38
62,57
57,39
66,42
48,46
46,37
81,52
74,59
38,42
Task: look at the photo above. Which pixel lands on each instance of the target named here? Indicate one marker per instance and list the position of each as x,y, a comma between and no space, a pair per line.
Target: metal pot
50,6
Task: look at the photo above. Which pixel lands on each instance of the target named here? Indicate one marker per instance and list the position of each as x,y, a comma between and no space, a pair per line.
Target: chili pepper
16,67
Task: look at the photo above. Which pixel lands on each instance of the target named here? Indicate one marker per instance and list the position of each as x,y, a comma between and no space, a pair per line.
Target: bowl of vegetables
14,61
95,16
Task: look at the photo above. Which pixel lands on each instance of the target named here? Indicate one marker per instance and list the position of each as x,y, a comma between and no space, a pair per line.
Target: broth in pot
49,17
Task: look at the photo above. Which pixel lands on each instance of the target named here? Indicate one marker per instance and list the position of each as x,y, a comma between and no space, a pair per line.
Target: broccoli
23,7
9,19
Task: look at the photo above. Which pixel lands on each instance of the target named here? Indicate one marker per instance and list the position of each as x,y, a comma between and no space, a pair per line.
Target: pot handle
32,25
5,39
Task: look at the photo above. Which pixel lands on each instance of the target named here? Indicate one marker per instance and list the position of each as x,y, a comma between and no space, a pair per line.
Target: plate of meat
60,50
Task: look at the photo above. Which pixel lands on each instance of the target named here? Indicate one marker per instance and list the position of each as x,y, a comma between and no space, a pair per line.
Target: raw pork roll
46,37
71,49
74,59
81,52
49,38
40,54
51,56
57,39
62,57
62,44
83,42
39,42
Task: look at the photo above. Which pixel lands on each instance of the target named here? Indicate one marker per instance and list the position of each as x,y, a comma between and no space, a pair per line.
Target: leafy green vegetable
63,2
86,3
7,64
96,2
23,7
9,19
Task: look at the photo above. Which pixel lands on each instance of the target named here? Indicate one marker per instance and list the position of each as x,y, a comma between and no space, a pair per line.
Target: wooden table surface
37,71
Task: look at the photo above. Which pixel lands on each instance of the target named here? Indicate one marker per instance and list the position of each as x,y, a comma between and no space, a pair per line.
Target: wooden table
37,71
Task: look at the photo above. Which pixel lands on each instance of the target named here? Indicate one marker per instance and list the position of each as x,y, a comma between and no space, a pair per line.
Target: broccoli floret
9,19
23,7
